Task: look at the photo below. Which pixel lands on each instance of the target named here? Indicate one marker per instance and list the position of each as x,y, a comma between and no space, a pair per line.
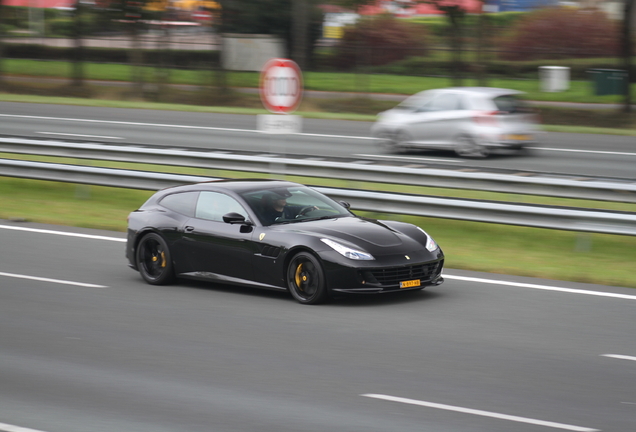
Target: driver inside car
275,207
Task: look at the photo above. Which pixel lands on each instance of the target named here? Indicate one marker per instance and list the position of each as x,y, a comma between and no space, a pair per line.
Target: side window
446,102
213,205
183,203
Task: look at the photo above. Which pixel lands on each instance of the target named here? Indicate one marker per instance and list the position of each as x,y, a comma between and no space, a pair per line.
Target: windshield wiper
317,218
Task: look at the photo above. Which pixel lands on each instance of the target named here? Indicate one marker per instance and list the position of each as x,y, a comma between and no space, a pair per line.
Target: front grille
395,275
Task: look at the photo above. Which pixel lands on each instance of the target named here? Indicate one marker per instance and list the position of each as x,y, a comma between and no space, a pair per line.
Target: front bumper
379,290
374,280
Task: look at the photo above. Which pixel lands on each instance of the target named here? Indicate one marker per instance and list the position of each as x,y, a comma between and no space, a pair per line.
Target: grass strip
579,91
560,255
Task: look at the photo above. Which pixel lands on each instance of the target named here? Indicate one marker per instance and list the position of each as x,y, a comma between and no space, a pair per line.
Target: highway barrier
562,218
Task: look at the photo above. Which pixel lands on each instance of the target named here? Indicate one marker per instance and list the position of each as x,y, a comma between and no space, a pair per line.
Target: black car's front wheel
306,279
154,261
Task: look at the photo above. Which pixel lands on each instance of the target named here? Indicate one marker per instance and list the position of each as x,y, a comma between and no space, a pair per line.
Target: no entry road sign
281,85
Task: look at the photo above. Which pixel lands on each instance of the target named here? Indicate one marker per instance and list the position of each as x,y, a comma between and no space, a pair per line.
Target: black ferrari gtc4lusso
276,235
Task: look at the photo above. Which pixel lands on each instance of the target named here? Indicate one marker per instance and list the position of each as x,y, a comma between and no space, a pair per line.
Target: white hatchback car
472,121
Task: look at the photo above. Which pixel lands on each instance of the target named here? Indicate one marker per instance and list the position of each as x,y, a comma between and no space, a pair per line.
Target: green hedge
173,58
425,66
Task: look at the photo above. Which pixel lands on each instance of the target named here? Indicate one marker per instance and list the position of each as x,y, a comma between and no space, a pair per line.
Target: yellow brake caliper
163,259
299,277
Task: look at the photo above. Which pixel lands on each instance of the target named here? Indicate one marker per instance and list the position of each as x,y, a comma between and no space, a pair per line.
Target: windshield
291,205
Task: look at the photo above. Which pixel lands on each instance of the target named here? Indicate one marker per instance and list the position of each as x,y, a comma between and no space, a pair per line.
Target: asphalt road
94,348
560,153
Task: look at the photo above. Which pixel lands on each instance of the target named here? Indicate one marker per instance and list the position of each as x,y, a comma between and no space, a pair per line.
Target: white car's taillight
486,118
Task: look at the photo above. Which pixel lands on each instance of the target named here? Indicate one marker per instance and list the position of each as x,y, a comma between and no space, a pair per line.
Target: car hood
371,235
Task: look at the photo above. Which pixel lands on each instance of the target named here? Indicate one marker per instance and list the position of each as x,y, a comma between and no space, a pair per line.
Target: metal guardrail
481,211
618,191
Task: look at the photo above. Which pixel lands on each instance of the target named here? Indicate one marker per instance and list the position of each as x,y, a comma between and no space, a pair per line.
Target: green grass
560,255
580,91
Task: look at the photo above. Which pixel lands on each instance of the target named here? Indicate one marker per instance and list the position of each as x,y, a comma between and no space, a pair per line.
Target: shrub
379,41
555,33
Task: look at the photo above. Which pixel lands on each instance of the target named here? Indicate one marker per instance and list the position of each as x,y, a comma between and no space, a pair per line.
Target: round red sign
281,85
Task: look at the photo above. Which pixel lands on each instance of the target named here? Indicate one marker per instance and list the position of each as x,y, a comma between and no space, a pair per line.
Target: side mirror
235,218
345,204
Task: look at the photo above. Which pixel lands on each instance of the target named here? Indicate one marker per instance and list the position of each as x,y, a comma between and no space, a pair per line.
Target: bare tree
1,41
627,50
299,32
78,56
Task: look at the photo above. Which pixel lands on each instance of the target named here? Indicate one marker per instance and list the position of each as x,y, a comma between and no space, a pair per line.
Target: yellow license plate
410,284
519,137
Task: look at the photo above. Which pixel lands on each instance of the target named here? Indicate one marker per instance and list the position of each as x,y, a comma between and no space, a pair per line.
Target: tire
385,139
400,143
306,279
154,261
465,146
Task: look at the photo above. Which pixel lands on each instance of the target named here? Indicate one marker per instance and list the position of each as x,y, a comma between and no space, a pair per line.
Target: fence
584,220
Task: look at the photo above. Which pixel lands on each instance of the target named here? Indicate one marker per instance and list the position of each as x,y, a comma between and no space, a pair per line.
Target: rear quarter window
184,202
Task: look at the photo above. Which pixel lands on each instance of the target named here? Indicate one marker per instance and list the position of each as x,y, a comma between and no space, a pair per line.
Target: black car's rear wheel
306,279
154,261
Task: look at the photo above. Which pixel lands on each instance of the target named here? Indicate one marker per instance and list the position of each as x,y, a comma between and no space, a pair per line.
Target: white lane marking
11,428
336,136
584,151
126,123
173,126
79,135
57,281
447,276
541,287
411,158
62,233
618,356
480,413
257,131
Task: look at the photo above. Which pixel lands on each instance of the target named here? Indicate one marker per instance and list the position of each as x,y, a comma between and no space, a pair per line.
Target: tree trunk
136,60
627,51
78,66
1,42
219,28
299,32
482,32
455,17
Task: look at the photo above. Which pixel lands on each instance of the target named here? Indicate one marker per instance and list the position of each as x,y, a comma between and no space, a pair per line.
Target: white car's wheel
465,146
385,139
401,142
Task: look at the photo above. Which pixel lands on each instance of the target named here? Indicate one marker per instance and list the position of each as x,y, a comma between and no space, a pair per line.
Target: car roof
237,186
485,91
491,91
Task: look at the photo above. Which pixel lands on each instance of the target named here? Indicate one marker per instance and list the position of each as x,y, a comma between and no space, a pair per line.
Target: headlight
431,246
346,251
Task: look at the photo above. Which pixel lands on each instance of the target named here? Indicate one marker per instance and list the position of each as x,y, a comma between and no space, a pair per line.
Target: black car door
222,250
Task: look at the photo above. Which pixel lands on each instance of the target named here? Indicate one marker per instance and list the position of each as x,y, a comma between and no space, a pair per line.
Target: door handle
189,229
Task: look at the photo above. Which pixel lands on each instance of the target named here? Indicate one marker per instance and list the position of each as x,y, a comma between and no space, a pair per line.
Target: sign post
281,90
